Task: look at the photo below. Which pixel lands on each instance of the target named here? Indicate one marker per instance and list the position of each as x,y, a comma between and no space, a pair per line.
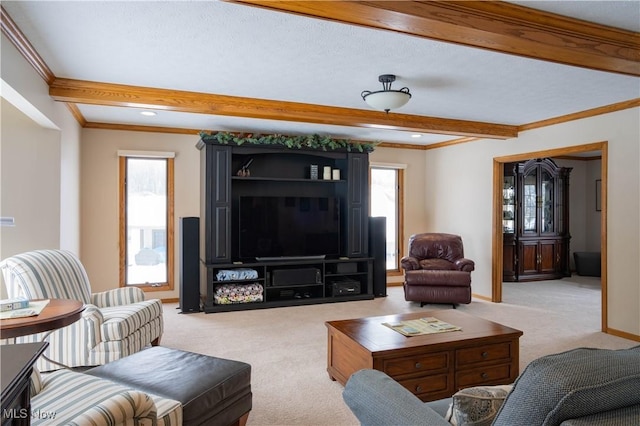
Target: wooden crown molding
632,103
494,25
106,94
13,33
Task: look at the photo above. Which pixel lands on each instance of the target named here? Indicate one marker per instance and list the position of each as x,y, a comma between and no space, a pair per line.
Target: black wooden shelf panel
281,179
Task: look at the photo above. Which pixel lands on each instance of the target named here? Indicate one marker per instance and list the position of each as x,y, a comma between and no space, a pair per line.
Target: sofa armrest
409,263
117,297
466,265
377,399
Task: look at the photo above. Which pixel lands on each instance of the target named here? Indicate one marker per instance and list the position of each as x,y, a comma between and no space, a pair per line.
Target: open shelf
357,276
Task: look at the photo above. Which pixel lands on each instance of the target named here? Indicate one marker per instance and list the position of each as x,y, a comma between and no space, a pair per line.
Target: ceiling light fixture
148,113
386,99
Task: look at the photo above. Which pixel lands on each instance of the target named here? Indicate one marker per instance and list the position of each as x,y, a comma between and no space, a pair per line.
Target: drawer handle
484,354
484,375
418,365
418,388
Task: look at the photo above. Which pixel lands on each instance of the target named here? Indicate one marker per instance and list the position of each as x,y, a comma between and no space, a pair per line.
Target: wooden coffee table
432,366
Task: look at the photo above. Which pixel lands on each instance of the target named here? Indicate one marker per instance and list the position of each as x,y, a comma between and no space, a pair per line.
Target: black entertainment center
276,232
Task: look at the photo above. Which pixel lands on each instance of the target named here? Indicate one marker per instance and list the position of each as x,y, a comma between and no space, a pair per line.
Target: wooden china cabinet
535,221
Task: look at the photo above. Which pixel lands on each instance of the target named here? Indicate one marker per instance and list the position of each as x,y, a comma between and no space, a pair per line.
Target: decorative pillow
477,406
36,382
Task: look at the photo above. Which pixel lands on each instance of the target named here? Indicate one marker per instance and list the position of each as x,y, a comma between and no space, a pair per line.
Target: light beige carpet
287,347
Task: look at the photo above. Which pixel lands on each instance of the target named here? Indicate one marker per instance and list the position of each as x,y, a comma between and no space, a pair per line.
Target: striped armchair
114,323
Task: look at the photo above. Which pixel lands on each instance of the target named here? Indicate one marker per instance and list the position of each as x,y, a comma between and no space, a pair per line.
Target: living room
59,180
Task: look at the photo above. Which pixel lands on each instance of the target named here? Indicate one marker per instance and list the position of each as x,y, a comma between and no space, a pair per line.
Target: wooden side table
17,365
57,314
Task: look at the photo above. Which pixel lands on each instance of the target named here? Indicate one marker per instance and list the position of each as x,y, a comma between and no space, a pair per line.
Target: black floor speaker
378,250
189,260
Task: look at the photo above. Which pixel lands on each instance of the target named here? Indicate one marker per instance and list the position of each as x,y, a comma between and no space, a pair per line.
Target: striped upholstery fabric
108,351
114,324
118,296
35,382
46,274
72,398
121,321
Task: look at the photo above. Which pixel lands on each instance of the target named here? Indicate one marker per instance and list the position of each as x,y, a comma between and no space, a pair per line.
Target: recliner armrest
466,265
409,263
376,399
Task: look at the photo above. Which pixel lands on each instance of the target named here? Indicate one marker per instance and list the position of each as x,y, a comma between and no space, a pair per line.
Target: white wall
458,188
30,186
584,220
69,180
593,173
99,177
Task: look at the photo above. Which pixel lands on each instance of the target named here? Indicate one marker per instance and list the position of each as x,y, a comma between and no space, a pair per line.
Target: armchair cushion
122,320
114,323
438,277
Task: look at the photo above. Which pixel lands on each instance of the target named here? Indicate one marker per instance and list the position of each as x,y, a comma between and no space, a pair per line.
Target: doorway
497,246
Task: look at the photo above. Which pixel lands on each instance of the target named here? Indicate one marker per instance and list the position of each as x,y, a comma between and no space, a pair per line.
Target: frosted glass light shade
386,100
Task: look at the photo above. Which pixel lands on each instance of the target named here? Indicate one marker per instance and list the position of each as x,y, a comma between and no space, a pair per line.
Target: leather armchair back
436,246
436,251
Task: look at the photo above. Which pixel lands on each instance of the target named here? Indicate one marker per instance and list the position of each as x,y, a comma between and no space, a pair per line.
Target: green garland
294,142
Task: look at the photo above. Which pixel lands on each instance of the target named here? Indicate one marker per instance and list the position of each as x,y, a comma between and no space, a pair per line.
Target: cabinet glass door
530,197
547,219
508,205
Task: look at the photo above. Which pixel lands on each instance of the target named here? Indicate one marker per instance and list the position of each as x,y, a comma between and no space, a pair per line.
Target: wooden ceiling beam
118,95
493,25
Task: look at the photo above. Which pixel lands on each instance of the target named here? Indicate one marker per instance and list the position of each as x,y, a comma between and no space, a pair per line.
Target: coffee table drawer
429,387
480,376
485,353
417,364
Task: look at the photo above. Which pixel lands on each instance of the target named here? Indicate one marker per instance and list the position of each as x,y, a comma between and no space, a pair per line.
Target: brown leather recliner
436,271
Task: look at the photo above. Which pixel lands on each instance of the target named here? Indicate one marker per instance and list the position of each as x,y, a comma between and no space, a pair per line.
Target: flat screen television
271,228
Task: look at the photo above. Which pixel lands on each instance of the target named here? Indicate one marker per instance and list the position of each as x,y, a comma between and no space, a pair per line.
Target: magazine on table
420,326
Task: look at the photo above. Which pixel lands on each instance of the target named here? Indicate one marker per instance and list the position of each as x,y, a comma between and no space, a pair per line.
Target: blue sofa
579,387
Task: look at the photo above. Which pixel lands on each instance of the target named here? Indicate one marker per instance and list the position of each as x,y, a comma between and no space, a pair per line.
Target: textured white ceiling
230,49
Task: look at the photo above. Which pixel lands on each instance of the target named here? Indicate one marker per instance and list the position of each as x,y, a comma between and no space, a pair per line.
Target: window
146,220
386,200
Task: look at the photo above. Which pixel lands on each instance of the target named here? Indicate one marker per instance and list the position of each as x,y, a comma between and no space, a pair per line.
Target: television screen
274,227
